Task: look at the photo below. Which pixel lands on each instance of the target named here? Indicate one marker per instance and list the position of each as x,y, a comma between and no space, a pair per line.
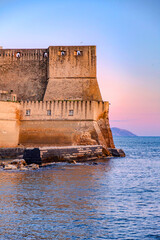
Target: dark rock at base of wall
11,153
62,154
116,152
32,156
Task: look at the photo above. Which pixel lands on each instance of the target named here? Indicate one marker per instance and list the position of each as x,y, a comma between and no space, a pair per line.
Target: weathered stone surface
32,156
11,153
10,167
27,75
19,162
103,130
121,153
33,166
84,138
116,152
106,152
22,168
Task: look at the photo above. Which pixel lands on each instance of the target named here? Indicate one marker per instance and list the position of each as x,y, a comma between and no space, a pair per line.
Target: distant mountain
121,132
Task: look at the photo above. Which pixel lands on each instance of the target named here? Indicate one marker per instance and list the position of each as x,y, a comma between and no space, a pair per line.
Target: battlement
57,72
63,110
23,54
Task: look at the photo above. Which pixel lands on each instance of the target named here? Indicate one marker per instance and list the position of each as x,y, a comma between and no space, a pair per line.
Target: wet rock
10,167
95,163
32,156
121,153
33,166
106,152
23,168
19,162
116,152
2,164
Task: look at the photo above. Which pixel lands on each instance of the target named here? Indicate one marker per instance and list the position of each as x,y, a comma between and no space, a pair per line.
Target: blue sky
127,36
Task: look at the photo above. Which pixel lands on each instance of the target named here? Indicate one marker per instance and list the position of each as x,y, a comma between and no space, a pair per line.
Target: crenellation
82,110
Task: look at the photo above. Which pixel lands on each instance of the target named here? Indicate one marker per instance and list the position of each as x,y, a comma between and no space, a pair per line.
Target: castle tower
72,74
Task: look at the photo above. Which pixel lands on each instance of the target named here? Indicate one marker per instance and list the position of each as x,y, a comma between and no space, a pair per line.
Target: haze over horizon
127,36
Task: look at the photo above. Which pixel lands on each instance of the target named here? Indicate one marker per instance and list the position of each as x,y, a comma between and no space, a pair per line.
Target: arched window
45,54
18,54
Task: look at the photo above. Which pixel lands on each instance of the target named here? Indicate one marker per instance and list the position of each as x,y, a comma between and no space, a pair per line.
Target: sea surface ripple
116,199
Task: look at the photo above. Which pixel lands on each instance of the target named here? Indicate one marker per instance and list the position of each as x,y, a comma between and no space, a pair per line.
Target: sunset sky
127,36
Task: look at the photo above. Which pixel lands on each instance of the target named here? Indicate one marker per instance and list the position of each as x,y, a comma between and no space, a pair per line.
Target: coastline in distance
118,132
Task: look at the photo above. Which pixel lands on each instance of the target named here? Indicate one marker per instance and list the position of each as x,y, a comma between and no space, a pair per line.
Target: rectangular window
48,112
28,112
71,112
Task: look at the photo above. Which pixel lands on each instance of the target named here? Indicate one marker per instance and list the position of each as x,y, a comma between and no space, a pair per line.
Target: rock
104,131
19,162
23,168
84,138
33,166
106,152
32,156
2,164
95,163
121,153
116,152
10,167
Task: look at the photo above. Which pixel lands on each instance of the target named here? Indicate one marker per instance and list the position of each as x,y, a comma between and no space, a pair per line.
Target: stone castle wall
10,114
60,98
63,110
67,122
25,74
72,76
64,73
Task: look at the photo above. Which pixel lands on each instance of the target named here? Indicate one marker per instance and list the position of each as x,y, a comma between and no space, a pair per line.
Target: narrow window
48,112
28,112
45,54
71,112
18,54
62,53
77,53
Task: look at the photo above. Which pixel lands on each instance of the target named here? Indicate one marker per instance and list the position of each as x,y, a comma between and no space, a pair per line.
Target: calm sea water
115,199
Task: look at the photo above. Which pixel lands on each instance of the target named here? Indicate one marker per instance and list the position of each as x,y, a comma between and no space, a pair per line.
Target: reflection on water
115,199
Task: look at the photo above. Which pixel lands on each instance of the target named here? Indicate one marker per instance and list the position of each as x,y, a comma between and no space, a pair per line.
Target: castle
52,98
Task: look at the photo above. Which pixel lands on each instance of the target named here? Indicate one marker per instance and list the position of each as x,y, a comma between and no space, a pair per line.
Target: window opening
71,112
28,112
18,54
48,112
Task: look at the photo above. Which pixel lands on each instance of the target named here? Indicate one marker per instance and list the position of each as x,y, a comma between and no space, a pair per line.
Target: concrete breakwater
59,154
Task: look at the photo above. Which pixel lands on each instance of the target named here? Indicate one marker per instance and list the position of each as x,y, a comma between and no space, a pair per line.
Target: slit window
28,112
77,53
62,53
71,112
48,112
18,54
45,54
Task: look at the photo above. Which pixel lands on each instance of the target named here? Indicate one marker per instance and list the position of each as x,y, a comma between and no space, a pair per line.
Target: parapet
63,110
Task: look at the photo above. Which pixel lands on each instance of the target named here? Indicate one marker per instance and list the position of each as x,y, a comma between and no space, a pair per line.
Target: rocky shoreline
33,158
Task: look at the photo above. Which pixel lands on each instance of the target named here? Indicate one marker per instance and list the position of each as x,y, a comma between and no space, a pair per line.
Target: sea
116,198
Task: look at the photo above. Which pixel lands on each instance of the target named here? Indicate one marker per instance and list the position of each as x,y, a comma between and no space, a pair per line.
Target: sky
127,36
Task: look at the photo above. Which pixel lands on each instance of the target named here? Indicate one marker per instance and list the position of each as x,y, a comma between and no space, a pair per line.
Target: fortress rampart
58,72
25,75
63,110
59,101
